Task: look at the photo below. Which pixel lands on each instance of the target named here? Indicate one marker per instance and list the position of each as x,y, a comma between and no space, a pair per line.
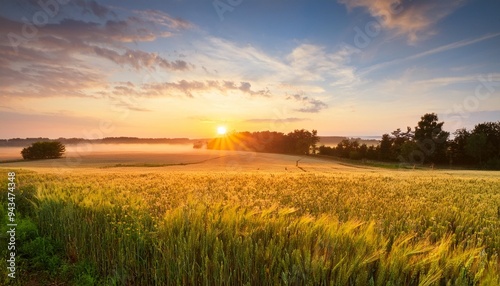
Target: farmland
226,218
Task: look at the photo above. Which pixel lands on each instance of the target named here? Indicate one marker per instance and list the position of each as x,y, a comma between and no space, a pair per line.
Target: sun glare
221,130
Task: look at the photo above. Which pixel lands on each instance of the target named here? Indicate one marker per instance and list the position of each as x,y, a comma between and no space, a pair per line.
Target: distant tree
349,149
492,132
479,146
314,140
343,148
297,142
198,145
43,150
476,146
363,150
385,147
326,150
400,138
372,152
407,152
456,151
431,138
302,141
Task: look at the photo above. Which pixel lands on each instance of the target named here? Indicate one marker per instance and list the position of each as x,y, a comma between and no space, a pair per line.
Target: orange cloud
413,19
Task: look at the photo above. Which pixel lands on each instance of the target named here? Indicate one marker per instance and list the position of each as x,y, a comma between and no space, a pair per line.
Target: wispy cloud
132,107
412,19
309,105
309,62
203,119
314,106
278,120
44,80
70,38
56,61
164,19
188,88
95,8
305,64
40,122
83,7
139,59
444,48
444,81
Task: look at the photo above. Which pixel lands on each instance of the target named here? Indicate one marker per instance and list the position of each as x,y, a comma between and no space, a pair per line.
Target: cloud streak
188,88
163,19
441,49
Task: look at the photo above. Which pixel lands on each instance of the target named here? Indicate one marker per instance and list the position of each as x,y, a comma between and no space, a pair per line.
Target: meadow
221,223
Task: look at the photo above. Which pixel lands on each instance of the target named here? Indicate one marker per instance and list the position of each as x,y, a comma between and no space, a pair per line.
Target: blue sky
183,68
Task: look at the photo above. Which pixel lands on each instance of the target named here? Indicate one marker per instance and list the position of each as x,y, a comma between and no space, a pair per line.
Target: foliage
476,145
298,142
346,228
479,146
457,151
350,149
428,143
431,138
385,147
43,150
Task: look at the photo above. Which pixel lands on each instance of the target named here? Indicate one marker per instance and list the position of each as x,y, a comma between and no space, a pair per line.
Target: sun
221,130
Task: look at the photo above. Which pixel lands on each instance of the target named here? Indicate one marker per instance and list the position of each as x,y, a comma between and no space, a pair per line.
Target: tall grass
268,229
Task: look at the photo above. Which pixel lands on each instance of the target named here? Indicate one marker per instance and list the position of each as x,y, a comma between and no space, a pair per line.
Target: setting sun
221,130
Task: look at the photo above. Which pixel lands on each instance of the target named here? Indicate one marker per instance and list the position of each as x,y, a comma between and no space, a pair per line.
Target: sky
183,68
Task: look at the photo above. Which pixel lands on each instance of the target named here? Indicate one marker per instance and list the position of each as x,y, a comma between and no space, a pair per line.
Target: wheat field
339,226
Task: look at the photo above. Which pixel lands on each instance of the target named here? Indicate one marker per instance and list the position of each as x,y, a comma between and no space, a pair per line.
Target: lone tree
43,150
431,138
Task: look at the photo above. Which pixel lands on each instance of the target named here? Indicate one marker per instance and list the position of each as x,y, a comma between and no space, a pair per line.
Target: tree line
298,142
425,143
429,143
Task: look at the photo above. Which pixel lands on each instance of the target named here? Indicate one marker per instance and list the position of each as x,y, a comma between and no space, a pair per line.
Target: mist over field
10,153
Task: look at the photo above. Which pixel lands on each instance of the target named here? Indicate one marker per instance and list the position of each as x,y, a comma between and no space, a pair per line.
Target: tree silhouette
476,146
457,151
385,147
300,142
43,150
492,132
431,138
